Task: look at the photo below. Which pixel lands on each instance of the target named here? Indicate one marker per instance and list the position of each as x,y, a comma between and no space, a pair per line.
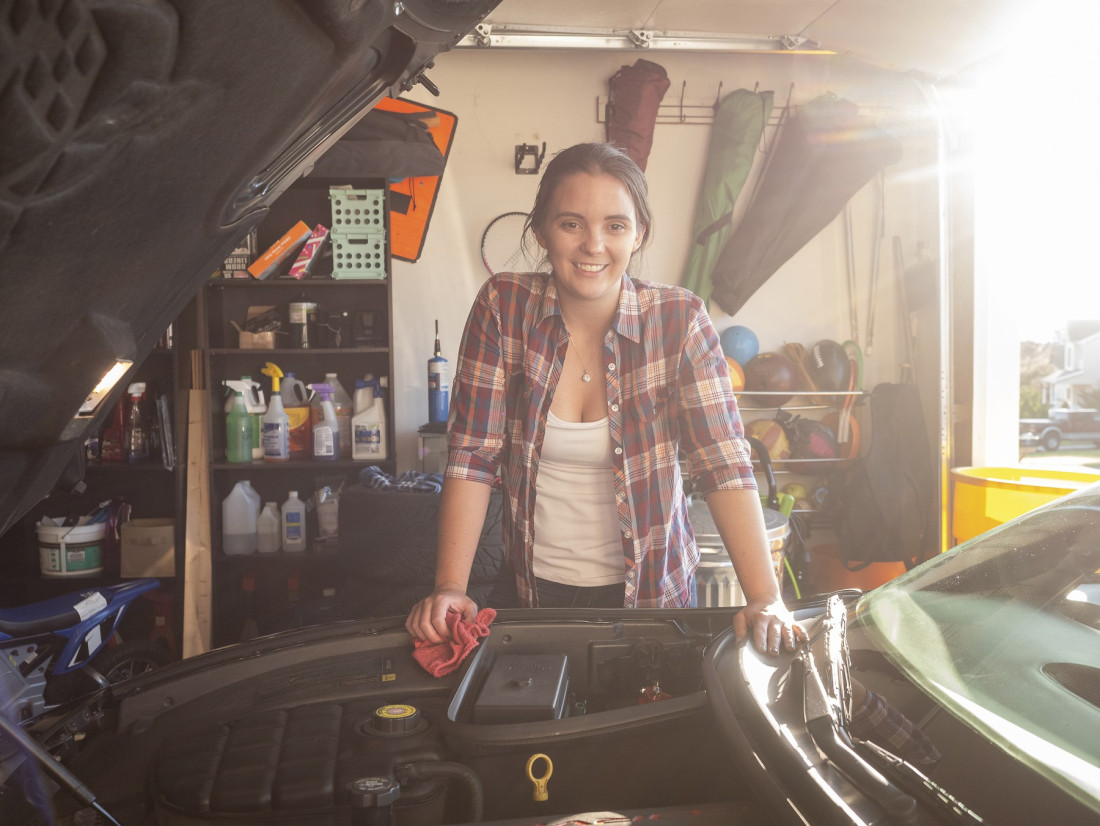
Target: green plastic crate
358,255
357,210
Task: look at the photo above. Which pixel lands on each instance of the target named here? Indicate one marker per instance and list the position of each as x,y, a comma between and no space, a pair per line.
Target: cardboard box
256,341
149,548
266,264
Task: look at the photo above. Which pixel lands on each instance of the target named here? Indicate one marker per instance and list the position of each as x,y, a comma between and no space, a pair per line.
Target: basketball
737,374
773,373
828,366
740,343
770,434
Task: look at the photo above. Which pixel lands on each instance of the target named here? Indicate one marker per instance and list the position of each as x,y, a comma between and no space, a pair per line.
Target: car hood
139,143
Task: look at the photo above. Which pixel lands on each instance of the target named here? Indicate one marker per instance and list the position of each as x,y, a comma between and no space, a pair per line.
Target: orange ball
737,374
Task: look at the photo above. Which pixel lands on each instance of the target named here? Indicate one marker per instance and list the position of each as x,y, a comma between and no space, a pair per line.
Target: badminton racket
502,243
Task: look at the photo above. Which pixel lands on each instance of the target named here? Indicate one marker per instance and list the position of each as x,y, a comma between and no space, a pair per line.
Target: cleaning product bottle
254,403
296,404
269,528
342,404
276,436
439,383
135,438
326,432
294,524
368,426
238,424
239,514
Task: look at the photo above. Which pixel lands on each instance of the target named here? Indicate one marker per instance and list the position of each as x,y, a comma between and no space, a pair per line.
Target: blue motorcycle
60,648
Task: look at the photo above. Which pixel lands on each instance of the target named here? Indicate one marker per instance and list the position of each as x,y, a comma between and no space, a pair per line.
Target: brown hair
593,158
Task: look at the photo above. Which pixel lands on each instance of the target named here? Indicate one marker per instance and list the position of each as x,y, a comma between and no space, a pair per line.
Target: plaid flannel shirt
667,390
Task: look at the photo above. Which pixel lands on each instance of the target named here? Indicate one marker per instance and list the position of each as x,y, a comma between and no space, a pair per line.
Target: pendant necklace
586,376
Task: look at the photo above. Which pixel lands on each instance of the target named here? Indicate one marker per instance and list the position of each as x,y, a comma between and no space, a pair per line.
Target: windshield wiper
909,773
825,718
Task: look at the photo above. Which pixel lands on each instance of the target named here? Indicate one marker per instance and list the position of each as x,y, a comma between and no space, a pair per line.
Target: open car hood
139,142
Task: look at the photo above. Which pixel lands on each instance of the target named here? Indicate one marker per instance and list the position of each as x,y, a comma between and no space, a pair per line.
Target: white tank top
577,539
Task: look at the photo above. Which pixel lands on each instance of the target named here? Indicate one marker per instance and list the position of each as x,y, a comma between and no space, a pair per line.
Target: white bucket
73,551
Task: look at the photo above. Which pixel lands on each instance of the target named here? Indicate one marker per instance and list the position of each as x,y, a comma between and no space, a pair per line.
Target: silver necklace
586,376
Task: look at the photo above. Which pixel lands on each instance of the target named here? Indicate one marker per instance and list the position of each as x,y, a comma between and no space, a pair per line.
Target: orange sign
413,199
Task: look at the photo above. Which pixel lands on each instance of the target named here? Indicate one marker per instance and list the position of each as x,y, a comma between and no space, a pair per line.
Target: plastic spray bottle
439,383
294,524
238,424
296,404
368,426
342,404
276,437
326,432
254,403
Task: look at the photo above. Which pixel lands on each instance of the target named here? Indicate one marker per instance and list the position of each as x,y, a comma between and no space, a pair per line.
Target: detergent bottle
294,524
238,424
296,405
326,432
276,436
368,425
439,383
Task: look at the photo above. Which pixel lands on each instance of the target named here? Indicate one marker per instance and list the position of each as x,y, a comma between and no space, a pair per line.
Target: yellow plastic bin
985,497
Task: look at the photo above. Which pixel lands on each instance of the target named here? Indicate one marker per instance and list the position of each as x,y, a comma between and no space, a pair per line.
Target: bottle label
276,445
323,443
368,440
293,527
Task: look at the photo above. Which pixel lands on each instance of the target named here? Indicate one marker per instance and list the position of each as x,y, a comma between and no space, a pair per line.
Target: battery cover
524,688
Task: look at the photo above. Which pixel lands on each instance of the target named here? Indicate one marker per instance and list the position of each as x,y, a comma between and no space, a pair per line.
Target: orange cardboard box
265,265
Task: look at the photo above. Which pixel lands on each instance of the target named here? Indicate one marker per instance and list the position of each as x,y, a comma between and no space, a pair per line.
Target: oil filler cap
396,718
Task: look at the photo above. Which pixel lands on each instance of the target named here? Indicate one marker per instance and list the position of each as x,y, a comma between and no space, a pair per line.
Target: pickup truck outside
1063,425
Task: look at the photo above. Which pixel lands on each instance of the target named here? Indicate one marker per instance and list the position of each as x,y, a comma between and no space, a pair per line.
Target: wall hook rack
525,150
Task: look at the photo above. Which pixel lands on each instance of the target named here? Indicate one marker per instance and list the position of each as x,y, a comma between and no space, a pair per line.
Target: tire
128,659
1051,441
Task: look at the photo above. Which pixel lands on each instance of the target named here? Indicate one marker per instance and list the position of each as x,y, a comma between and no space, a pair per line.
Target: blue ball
740,344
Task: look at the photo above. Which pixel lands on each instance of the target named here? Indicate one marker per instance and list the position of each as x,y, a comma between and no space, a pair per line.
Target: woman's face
590,232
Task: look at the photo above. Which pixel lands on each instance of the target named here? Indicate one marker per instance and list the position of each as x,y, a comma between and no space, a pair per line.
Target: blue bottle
439,383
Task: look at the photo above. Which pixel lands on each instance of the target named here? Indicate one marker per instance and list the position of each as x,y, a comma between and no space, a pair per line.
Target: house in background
1076,354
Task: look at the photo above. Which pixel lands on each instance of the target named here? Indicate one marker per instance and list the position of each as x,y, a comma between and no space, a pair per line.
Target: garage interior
902,270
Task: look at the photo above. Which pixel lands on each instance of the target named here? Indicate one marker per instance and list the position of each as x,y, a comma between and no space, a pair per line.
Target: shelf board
288,351
274,558
298,464
323,283
127,467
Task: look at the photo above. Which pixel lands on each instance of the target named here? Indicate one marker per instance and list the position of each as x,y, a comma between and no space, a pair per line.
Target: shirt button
620,498
611,366
614,408
628,534
618,451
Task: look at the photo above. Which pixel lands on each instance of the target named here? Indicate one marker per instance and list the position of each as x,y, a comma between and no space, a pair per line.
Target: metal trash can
716,584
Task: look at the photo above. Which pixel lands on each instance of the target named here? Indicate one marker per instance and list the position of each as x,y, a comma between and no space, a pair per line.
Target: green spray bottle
238,424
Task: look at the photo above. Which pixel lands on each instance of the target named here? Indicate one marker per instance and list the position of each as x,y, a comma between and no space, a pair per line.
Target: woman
582,386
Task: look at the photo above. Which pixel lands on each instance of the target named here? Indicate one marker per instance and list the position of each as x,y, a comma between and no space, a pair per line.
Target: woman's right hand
427,621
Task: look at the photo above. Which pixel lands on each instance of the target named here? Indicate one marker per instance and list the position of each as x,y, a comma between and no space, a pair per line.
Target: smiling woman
581,387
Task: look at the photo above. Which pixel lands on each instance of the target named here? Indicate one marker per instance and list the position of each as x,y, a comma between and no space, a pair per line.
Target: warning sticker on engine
91,605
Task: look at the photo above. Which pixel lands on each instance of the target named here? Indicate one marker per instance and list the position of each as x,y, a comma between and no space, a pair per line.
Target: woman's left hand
770,624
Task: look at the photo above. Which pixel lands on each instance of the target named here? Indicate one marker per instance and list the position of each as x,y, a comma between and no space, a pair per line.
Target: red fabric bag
636,92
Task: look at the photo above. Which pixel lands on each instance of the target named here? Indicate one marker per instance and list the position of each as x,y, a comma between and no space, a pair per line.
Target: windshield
1004,632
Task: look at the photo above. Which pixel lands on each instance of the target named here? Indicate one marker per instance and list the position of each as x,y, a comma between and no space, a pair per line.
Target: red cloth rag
441,658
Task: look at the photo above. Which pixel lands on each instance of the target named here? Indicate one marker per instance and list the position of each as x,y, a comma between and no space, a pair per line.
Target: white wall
504,98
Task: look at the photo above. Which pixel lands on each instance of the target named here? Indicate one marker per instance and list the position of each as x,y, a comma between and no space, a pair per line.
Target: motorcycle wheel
128,659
